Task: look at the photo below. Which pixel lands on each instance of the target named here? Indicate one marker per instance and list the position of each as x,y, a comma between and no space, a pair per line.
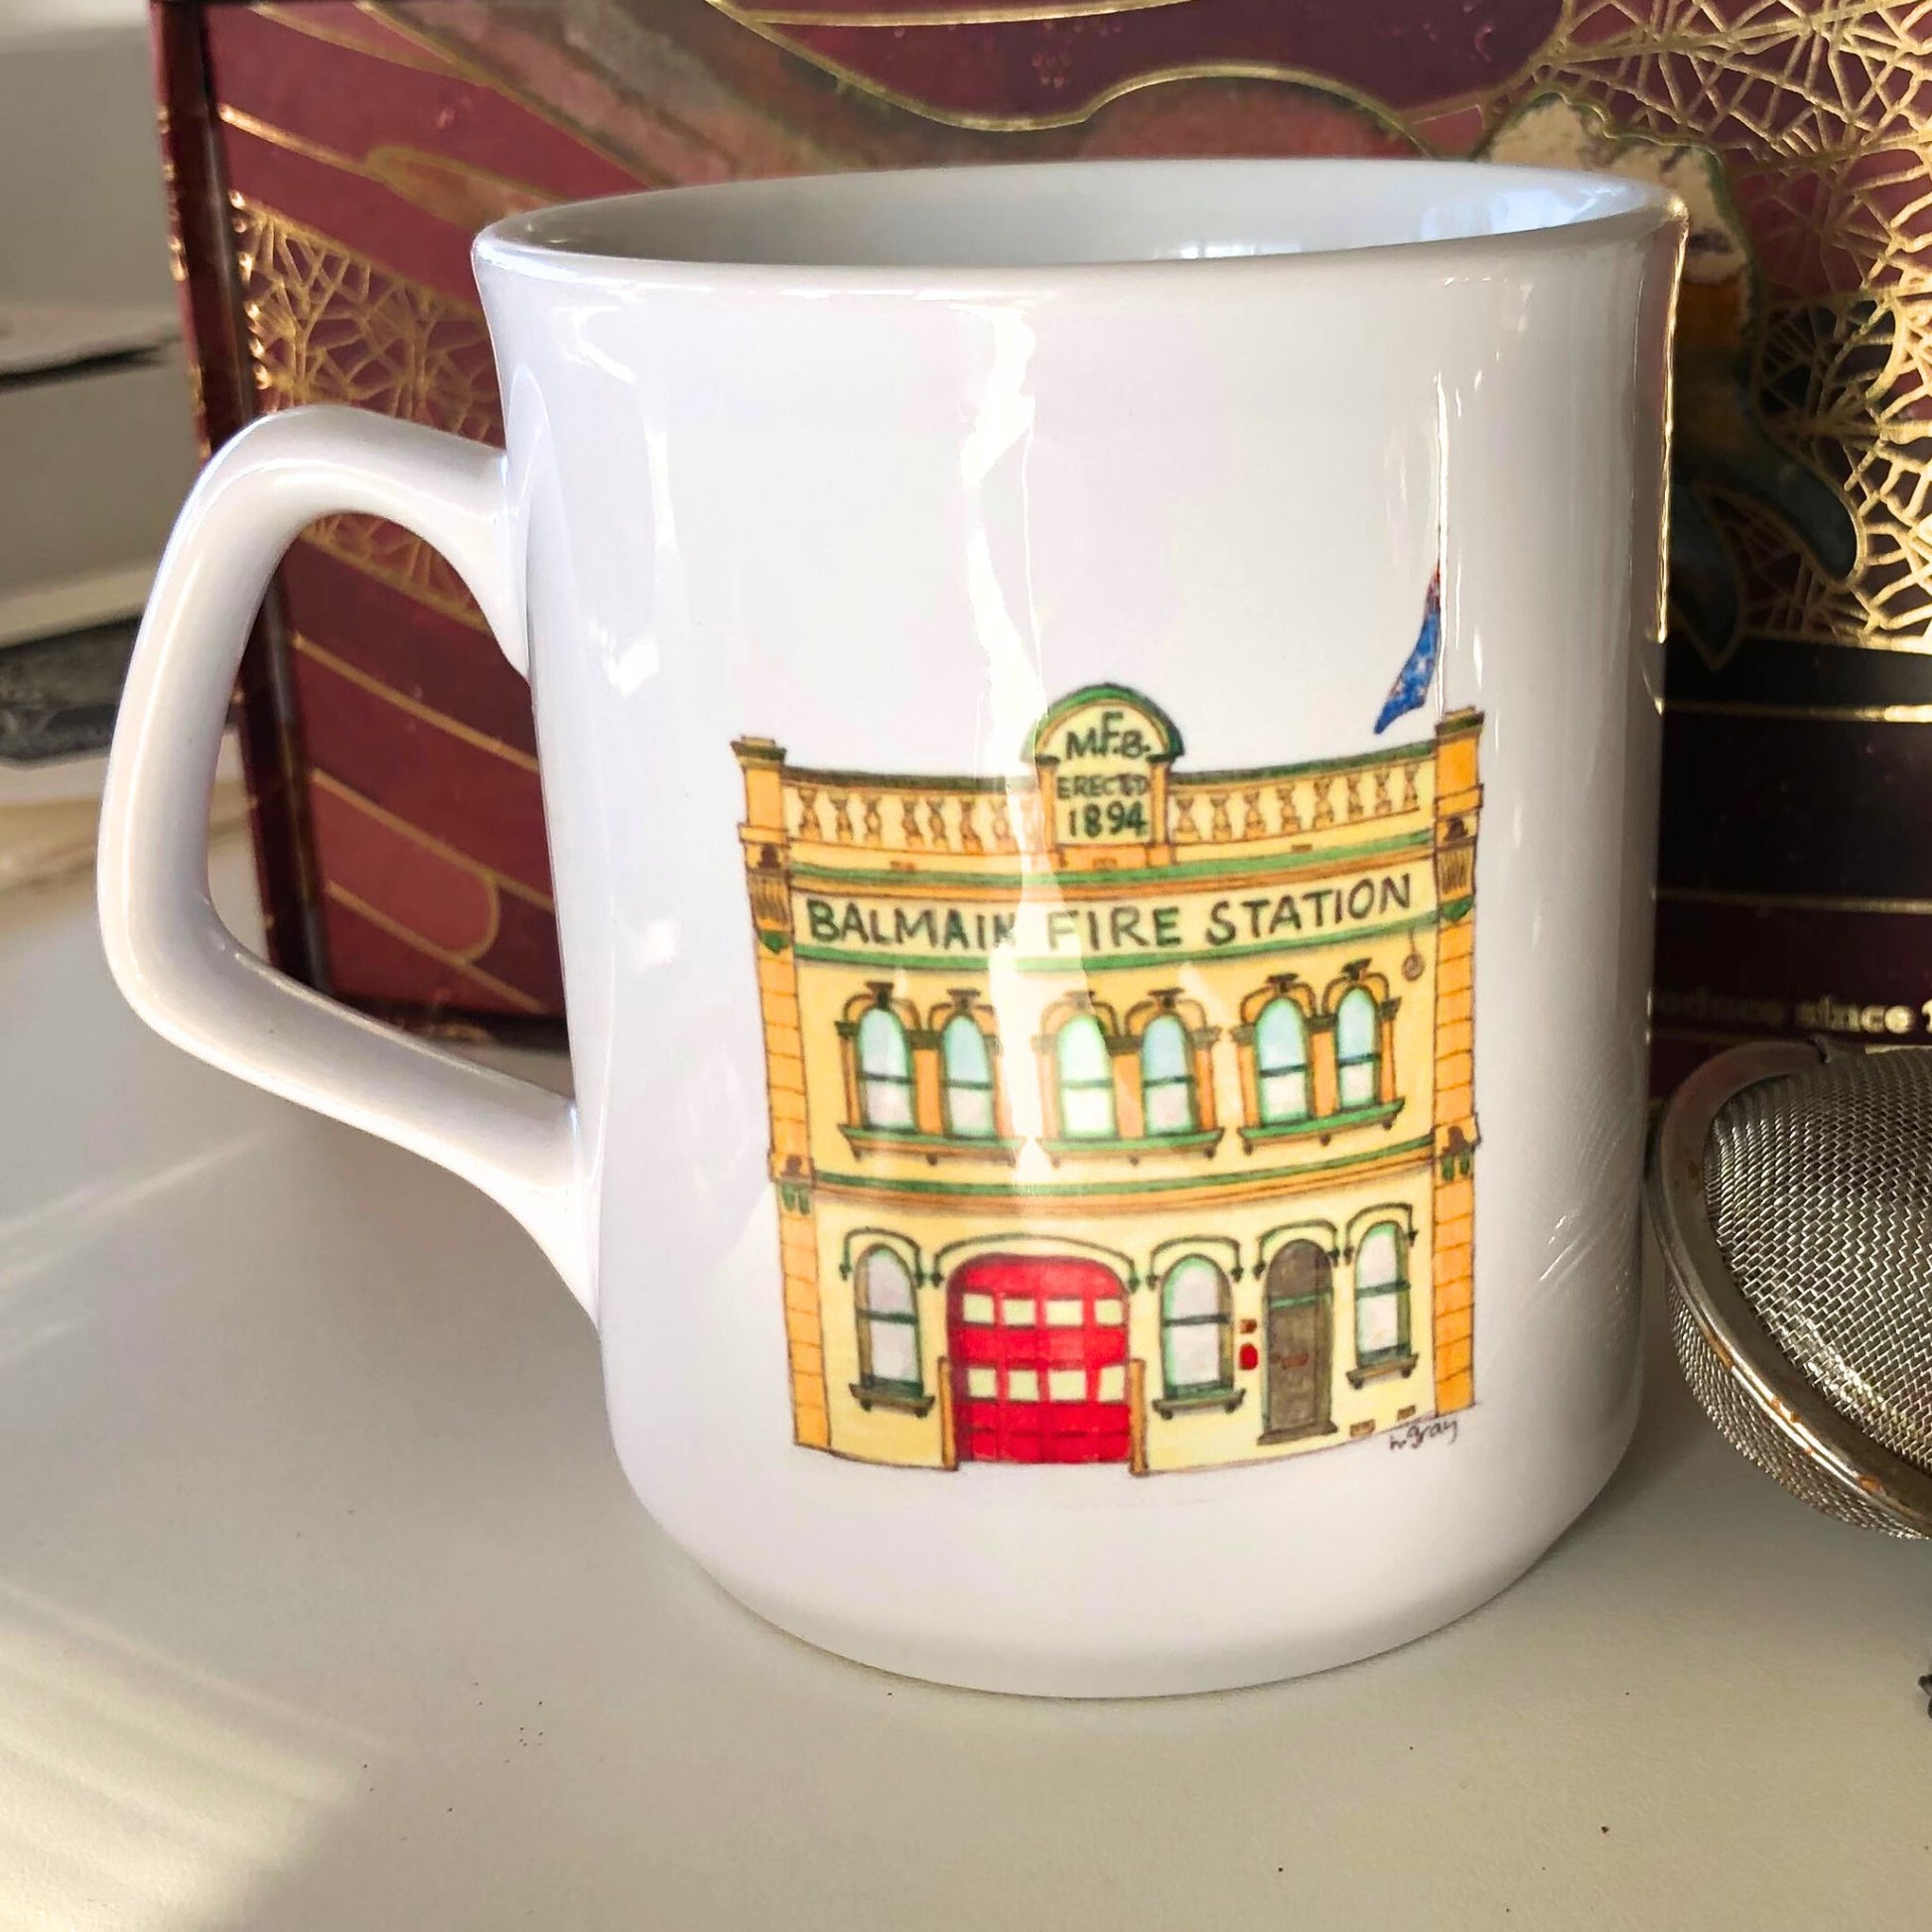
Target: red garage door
1039,1348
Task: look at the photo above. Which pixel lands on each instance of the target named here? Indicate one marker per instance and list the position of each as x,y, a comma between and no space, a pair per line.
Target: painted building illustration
1120,1113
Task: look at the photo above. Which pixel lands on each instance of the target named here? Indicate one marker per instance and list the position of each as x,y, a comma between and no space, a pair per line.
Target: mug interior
1080,214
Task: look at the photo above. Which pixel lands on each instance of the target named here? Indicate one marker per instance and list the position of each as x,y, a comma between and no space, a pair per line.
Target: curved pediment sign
1102,755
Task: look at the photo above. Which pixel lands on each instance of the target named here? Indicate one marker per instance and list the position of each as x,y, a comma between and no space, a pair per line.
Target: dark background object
330,161
58,694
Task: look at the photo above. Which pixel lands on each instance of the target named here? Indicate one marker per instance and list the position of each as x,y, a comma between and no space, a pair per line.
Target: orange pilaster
1458,802
766,860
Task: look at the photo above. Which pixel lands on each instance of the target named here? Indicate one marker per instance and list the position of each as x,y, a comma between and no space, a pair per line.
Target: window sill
1321,1127
1202,1141
1404,1365
904,1401
1225,1399
934,1147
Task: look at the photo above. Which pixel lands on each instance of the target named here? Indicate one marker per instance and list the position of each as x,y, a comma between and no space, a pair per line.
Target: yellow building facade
1120,1113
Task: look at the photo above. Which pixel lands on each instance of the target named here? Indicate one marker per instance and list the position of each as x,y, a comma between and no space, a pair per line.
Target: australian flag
1412,682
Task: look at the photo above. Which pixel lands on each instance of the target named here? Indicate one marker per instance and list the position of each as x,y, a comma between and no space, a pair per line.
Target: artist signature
1419,1435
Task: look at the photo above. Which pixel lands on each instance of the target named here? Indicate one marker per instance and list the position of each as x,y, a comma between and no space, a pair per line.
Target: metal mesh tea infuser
1791,1192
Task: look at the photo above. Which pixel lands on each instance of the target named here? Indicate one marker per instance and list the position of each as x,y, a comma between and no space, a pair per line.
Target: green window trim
869,1318
1082,1065
1382,1368
884,1057
1281,1048
1383,1238
1188,1270
1397,1350
1227,1401
889,1384
934,1147
887,1395
966,1070
1358,1048
1322,1126
1392,1158
1203,1140
1167,1069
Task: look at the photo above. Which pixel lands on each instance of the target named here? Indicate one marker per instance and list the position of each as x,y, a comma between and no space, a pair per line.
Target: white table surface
323,1605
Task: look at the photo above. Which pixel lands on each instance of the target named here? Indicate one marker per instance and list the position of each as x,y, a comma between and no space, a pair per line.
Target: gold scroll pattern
326,324
1860,369
1824,114
398,558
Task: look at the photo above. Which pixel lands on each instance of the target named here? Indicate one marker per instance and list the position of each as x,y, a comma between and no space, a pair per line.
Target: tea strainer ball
1790,1188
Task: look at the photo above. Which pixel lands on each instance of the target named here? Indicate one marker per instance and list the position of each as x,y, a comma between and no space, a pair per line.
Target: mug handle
178,965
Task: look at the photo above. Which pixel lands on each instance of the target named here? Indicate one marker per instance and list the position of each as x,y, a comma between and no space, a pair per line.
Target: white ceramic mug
1100,730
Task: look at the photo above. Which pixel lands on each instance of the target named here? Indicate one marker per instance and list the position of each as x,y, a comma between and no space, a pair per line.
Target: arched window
885,1070
967,1069
1086,1077
1282,1063
1381,1296
1358,1050
1166,1077
888,1323
1196,1316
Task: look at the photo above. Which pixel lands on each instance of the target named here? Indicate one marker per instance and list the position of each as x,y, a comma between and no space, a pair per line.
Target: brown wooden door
1300,1340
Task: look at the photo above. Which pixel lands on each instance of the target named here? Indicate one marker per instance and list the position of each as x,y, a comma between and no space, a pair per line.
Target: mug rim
562,242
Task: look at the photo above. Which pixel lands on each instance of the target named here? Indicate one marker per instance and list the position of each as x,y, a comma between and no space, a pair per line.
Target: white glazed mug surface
1099,730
